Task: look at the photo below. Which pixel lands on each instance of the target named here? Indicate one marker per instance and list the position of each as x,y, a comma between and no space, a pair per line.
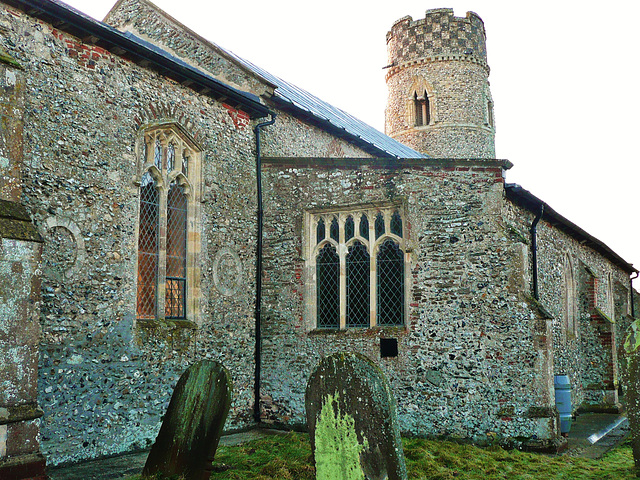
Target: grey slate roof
287,96
532,203
297,98
68,19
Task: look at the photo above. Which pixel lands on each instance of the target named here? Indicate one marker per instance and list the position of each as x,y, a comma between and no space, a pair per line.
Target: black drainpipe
258,356
631,279
534,251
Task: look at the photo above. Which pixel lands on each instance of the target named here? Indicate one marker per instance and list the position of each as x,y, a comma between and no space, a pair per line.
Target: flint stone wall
580,356
473,358
104,380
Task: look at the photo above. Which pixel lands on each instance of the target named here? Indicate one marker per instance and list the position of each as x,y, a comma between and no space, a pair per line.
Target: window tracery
358,267
168,189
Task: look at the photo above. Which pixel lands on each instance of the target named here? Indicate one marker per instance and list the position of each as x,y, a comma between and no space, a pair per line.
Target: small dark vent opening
388,347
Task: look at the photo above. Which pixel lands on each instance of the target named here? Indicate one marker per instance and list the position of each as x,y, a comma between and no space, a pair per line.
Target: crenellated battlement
439,34
438,79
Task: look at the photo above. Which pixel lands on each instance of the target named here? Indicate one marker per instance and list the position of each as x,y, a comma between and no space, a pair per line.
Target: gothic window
422,108
168,180
359,266
569,312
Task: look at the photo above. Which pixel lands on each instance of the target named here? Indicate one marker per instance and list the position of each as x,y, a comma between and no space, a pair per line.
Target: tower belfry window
421,105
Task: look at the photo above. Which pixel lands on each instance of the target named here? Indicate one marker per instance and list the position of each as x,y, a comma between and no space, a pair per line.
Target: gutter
258,308
70,20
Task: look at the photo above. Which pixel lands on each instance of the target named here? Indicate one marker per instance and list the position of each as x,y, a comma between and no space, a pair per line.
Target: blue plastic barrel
563,401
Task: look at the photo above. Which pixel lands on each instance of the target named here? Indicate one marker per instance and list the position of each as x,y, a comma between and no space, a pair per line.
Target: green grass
289,457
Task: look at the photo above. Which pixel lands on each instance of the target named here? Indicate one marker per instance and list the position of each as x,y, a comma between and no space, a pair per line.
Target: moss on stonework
337,450
8,59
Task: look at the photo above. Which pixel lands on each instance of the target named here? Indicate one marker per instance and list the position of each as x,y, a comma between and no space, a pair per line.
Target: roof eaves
68,19
529,201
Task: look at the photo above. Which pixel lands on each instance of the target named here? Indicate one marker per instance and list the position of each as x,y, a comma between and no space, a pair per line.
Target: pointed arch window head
569,308
359,283
349,228
166,258
334,230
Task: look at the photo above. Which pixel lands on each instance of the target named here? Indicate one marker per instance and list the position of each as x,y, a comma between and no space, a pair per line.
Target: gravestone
352,421
631,381
192,426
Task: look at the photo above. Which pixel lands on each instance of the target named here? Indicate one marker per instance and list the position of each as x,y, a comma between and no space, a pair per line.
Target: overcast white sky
564,79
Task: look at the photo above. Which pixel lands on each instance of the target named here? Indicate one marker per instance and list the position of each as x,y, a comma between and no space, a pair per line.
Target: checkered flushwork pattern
440,33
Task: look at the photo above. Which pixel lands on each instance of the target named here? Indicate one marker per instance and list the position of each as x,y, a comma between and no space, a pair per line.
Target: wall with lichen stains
474,356
105,380
584,355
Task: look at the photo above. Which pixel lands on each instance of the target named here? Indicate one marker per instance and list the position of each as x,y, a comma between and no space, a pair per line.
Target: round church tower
438,79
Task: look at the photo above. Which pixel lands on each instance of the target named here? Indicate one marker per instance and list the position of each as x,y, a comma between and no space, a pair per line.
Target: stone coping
15,223
387,163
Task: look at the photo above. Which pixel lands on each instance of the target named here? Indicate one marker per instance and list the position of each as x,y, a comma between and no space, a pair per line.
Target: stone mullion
342,253
193,293
373,299
162,239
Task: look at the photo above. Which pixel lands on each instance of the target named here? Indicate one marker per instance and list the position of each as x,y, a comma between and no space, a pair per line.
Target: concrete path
596,424
124,466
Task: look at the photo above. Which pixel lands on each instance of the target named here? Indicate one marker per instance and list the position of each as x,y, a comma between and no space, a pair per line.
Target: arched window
358,289
328,287
569,313
422,108
148,247
169,166
390,271
359,267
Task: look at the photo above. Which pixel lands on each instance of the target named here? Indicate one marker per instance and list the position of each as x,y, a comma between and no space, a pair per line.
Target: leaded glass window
176,252
328,286
390,271
359,279
358,311
148,247
163,230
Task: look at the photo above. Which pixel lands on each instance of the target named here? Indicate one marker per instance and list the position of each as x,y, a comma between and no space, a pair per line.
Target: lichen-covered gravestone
631,380
193,424
352,421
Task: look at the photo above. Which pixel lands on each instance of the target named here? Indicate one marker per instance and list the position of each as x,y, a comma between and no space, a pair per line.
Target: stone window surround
418,88
310,252
569,307
173,132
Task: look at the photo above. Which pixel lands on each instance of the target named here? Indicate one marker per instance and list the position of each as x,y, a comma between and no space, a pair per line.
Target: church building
164,201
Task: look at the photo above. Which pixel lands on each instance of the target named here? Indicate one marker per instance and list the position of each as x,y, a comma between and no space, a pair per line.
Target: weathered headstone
631,380
192,426
352,421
